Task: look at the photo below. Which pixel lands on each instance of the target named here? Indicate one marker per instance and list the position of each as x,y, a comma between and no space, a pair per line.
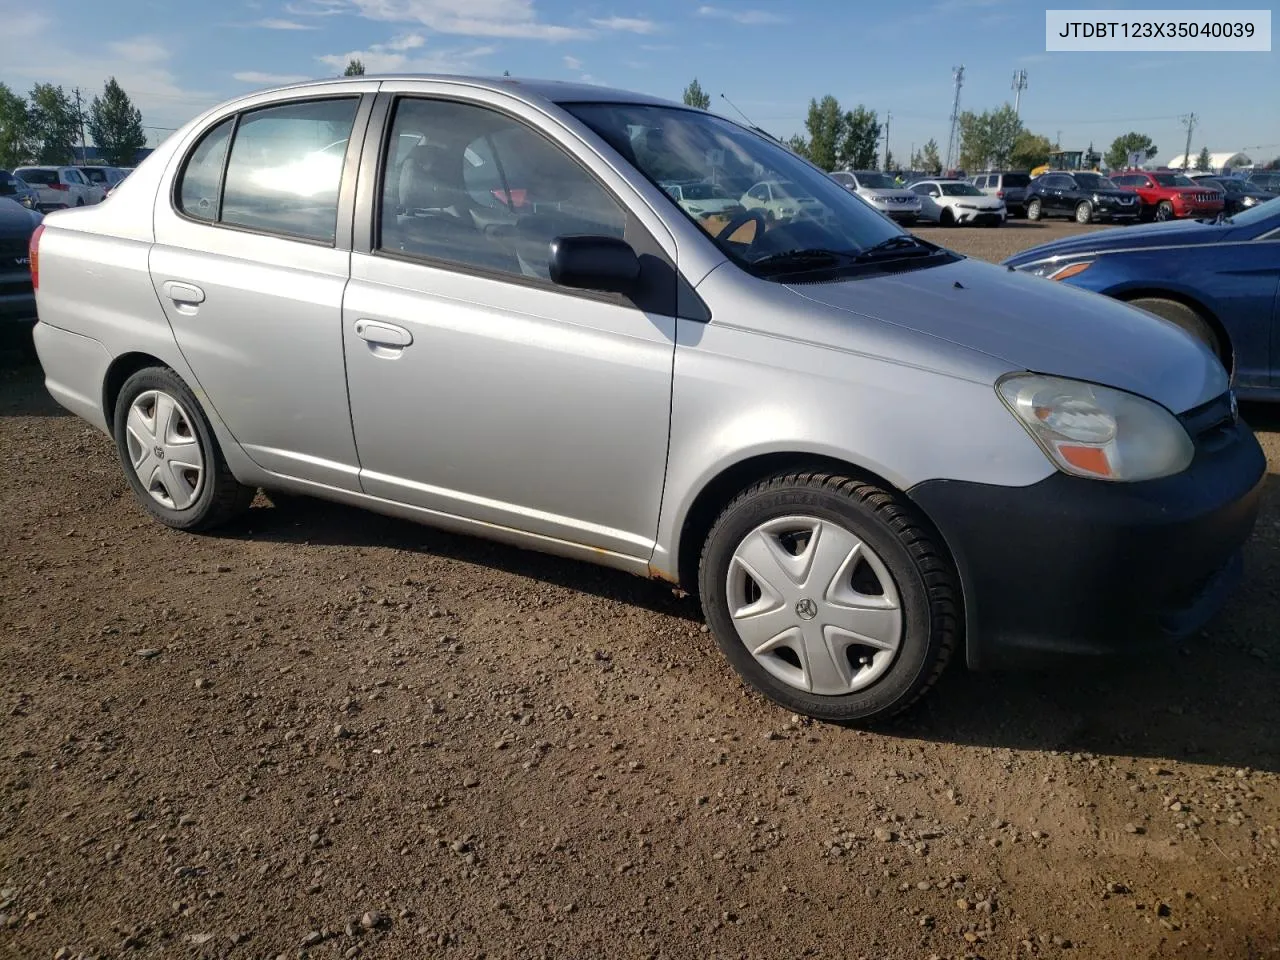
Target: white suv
60,187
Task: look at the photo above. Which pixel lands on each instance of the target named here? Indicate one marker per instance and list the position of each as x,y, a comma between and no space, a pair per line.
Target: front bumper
1196,211
1070,565
980,218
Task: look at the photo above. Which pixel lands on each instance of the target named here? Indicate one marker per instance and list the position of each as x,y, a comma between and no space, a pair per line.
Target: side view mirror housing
594,263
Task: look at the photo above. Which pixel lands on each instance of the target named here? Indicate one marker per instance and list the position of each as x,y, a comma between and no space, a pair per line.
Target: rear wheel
829,596
79,201
170,455
1188,318
1084,212
1034,211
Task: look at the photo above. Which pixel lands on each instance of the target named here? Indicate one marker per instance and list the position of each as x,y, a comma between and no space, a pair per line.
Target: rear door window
197,193
286,167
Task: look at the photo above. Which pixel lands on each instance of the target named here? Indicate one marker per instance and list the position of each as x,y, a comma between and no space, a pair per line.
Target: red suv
1166,194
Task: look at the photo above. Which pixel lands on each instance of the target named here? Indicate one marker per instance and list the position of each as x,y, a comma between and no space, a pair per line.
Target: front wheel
170,455
1084,212
946,218
830,596
1164,211
1188,318
1034,210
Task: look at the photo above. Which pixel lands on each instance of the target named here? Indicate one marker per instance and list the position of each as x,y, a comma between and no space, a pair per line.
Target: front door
479,389
249,269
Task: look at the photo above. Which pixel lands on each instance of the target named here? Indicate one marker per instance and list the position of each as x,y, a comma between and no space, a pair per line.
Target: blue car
1218,280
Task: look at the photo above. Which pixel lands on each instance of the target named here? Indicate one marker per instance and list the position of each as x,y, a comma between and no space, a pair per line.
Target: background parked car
701,199
15,188
1083,195
60,187
956,202
1237,194
1214,279
104,177
1167,195
882,192
1268,180
17,299
782,200
1008,185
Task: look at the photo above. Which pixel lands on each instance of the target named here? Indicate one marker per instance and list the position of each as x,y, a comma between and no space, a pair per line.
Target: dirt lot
327,734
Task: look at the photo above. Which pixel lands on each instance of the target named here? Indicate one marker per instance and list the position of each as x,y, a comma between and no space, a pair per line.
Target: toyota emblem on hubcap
159,452
806,609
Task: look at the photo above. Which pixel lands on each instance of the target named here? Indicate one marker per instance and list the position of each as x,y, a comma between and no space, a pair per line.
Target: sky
768,57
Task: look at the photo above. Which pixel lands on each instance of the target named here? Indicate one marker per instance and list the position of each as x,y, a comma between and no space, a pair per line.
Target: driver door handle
383,334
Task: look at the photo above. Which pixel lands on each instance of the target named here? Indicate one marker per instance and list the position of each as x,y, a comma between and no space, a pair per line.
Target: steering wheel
740,221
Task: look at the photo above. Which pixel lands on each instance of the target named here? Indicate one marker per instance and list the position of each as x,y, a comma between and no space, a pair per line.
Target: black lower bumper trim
1070,565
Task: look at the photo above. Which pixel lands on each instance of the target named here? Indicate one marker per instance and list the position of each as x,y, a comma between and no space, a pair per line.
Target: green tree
1204,162
859,143
116,125
888,159
825,124
987,139
930,161
1117,156
53,124
695,96
1030,150
16,146
355,68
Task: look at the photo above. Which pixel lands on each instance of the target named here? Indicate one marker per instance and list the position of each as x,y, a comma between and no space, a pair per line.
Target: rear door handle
383,334
183,292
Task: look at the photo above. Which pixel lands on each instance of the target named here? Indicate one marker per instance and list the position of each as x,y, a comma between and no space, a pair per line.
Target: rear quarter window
39,177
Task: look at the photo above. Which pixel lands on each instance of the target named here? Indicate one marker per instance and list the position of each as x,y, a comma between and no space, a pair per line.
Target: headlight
1056,270
875,198
1098,432
1248,201
1096,198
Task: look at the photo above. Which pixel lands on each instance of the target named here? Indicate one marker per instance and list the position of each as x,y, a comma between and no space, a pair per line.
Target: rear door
251,256
479,389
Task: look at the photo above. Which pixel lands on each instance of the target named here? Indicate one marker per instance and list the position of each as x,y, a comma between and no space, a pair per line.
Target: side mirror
594,263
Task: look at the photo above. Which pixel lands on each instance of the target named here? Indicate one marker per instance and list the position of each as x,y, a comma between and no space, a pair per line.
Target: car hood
15,220
1169,233
1037,325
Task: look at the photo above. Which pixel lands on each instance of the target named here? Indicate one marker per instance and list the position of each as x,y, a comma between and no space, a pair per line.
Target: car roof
551,91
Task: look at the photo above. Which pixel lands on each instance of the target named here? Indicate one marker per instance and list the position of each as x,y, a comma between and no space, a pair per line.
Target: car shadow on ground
22,392
1212,699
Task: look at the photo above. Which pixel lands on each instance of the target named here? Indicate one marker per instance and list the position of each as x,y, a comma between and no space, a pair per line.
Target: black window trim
346,185
681,302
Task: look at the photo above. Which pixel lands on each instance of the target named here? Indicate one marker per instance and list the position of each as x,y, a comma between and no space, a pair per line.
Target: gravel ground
327,734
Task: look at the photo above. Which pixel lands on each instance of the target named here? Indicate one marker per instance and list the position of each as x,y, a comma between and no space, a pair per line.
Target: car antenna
740,113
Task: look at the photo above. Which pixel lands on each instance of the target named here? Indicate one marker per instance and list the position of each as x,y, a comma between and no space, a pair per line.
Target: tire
1188,318
946,218
1084,212
79,201
906,563
181,500
1034,210
1164,211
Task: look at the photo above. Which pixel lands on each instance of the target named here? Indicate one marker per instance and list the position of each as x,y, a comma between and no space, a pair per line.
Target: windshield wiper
812,258
905,245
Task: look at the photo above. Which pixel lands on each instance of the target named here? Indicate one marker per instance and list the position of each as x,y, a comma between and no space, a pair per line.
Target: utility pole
1019,84
958,74
1189,121
80,123
888,115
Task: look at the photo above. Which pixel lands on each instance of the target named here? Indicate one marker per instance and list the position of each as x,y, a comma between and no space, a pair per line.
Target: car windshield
1210,182
1172,180
1017,179
960,190
877,181
706,191
1093,181
44,177
8,186
672,144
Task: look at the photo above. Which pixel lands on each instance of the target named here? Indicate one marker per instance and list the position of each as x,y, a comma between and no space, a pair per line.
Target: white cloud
139,50
626,24
391,57
41,54
316,8
477,18
275,23
271,79
573,63
748,17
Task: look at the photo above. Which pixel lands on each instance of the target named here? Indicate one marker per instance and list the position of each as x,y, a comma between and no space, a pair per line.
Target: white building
1216,161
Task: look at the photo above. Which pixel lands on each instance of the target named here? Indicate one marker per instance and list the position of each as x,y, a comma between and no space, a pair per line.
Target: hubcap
164,450
814,605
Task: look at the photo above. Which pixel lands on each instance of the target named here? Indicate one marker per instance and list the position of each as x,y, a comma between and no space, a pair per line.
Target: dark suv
1010,186
1083,196
1267,180
17,299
